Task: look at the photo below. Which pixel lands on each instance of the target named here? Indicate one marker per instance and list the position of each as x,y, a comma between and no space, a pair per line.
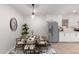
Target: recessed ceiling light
74,11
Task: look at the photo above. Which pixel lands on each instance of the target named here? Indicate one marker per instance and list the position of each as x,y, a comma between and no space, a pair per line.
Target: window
65,22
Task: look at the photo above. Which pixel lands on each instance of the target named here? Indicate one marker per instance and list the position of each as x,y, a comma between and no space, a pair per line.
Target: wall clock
13,24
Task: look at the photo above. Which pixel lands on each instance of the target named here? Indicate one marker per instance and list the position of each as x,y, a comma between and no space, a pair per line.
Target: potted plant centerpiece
24,30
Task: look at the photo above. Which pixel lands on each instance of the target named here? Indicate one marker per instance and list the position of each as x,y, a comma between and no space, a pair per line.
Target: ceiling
47,9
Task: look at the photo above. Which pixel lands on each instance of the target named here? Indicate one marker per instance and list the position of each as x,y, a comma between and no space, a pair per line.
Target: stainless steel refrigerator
53,33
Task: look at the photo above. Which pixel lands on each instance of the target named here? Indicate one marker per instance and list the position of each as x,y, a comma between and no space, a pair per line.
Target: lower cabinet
77,37
68,37
61,37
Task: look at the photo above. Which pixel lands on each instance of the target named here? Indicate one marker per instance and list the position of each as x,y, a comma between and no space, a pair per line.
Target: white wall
38,25
7,37
58,18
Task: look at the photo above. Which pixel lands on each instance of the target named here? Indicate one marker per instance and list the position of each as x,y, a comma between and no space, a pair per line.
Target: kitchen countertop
69,30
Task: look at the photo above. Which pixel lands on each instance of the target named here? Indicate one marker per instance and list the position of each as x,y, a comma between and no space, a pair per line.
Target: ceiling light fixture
33,11
74,11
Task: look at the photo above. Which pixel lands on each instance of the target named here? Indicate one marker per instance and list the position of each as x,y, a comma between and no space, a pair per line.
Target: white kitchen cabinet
77,36
64,37
69,36
61,37
73,37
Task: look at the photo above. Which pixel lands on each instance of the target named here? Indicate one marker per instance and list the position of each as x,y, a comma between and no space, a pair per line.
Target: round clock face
13,24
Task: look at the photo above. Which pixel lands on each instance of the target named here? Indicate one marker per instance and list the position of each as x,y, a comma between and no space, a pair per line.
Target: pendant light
33,11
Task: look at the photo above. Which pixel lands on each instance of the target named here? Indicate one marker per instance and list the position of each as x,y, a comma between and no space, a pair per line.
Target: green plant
24,30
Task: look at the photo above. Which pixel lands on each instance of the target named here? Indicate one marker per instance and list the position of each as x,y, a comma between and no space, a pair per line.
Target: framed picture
13,24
